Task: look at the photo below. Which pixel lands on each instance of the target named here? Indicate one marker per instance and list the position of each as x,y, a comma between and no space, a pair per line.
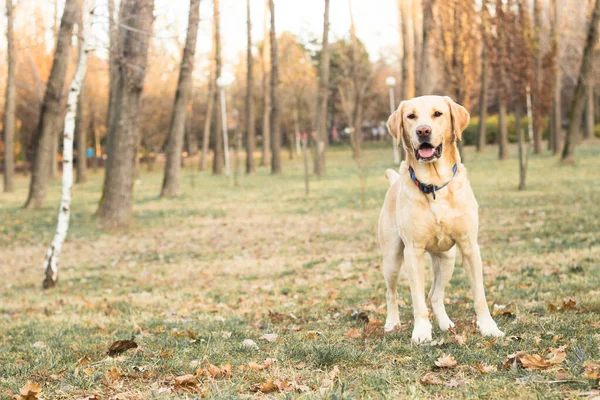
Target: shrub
491,131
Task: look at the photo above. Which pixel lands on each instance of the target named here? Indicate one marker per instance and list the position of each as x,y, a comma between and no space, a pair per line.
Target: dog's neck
438,172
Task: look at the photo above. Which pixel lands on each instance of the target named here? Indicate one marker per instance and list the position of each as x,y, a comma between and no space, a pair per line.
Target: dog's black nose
423,131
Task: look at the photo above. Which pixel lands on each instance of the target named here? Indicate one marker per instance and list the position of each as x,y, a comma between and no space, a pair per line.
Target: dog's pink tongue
426,152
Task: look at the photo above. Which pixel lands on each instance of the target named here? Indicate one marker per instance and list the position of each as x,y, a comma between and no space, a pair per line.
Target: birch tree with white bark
64,212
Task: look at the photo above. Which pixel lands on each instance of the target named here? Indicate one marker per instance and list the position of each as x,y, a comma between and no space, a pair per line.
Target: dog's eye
411,116
437,114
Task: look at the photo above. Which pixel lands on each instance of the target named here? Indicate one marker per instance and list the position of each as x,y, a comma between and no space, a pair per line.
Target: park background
252,269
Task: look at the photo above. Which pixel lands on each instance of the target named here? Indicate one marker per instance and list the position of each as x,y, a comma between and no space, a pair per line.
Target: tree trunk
81,135
424,71
502,131
483,93
217,167
356,122
51,109
115,208
556,114
81,115
275,123
250,126
172,174
588,132
408,67
190,133
578,104
537,76
416,9
53,253
113,80
10,103
322,97
266,64
207,124
523,145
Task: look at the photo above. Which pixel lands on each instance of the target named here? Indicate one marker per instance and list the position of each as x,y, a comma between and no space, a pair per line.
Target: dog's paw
488,327
445,324
391,326
422,332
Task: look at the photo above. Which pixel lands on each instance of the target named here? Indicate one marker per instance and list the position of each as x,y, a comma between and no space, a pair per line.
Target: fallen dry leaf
535,361
121,346
569,304
259,367
111,375
269,337
266,387
592,370
250,343
30,391
312,335
484,368
460,339
354,333
215,372
509,309
446,361
430,379
186,380
454,383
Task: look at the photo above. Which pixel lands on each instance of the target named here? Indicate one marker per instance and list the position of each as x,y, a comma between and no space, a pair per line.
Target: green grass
198,274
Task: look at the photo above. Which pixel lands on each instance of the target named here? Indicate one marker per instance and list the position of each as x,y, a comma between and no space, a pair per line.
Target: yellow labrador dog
430,207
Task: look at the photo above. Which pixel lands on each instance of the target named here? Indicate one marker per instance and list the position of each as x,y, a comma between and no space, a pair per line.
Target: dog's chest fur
444,224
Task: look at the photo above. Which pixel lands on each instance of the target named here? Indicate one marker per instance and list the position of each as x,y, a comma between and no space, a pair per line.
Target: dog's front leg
472,262
415,271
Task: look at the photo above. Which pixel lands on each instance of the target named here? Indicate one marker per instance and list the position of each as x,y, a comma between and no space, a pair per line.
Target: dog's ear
459,115
394,125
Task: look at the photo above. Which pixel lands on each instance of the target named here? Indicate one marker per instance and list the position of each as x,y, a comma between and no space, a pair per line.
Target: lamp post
391,82
222,82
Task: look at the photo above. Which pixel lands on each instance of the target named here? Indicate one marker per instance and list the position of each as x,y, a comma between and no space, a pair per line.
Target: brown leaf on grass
265,387
121,346
592,370
568,304
460,339
277,318
215,372
535,361
491,343
30,391
187,380
446,361
112,375
259,367
430,379
484,368
454,383
354,333
512,360
312,335
509,310
300,365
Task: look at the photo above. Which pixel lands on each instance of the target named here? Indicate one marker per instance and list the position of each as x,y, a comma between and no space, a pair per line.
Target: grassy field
230,291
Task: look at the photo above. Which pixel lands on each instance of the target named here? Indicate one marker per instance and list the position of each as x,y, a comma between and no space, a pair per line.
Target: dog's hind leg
443,266
392,261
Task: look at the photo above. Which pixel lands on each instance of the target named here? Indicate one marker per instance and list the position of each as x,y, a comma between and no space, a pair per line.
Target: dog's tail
391,175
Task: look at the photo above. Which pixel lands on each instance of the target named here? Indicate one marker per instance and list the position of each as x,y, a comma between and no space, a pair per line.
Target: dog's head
427,125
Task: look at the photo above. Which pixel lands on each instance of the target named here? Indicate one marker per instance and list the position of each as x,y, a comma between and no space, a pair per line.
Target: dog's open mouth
427,152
